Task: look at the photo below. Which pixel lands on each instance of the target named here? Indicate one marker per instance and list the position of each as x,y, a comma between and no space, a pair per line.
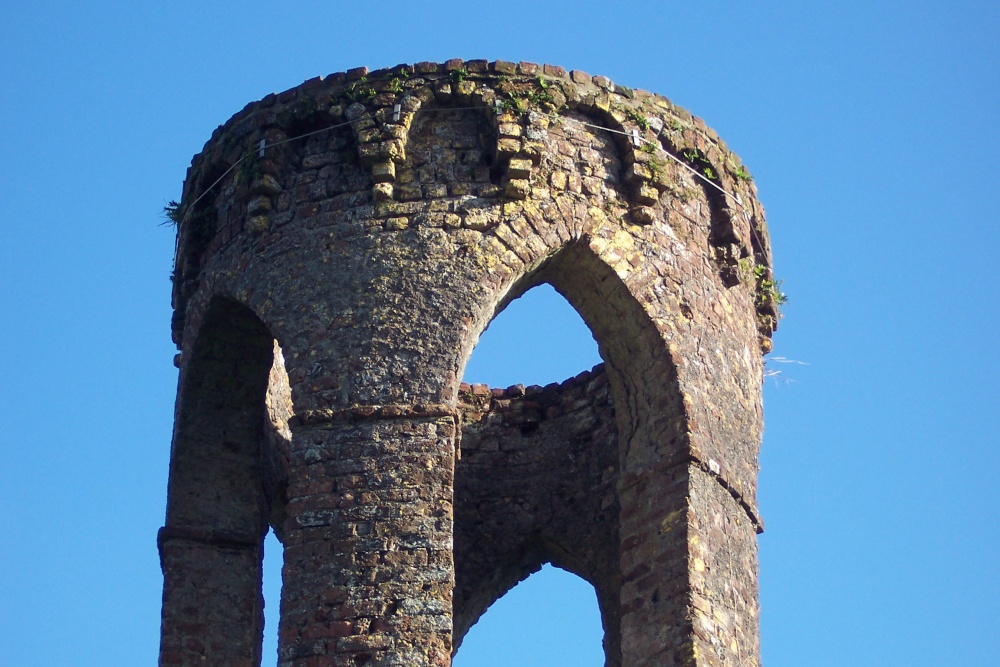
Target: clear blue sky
871,129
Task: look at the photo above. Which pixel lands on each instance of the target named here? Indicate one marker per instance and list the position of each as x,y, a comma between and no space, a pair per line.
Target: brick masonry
328,291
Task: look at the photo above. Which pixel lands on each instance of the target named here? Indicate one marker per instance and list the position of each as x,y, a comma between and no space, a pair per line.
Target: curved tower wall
341,247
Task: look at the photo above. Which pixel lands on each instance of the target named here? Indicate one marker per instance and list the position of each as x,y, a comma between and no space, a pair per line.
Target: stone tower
341,246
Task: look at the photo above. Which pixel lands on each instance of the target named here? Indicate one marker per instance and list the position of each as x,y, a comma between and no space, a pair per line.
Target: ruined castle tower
341,247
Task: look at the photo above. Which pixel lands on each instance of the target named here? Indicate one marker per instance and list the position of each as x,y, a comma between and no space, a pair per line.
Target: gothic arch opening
224,475
538,339
640,369
651,450
550,618
533,485
542,468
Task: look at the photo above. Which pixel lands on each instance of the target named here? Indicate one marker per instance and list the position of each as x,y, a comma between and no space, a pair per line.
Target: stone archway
222,481
378,296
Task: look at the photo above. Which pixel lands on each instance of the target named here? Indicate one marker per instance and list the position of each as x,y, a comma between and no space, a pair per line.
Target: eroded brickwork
553,501
341,247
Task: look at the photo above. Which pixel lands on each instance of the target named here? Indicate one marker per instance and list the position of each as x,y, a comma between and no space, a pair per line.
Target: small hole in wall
273,560
548,620
529,428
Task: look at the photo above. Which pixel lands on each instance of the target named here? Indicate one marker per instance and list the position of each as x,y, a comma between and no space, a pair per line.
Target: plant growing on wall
173,212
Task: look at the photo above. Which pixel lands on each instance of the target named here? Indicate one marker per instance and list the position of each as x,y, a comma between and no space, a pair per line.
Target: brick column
368,572
654,566
213,610
689,575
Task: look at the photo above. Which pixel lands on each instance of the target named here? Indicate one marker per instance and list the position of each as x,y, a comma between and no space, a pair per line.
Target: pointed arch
554,615
223,478
538,339
553,493
528,467
639,364
450,150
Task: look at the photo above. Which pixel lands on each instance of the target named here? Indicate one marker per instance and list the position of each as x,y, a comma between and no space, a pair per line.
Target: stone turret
341,247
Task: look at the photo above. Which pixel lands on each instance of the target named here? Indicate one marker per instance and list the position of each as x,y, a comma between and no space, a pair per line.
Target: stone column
213,611
654,562
368,572
689,572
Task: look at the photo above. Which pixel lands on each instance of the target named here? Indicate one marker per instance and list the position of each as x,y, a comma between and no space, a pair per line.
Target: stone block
517,188
384,172
507,147
504,67
646,195
519,168
382,191
554,71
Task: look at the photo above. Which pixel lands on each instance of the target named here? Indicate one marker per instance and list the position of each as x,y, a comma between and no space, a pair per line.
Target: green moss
360,90
638,118
741,173
522,96
768,289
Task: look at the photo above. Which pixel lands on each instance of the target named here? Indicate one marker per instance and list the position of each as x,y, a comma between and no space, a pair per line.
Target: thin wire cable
676,159
191,206
736,198
266,145
308,134
660,148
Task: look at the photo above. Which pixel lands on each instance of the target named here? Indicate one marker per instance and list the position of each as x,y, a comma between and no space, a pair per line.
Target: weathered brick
370,260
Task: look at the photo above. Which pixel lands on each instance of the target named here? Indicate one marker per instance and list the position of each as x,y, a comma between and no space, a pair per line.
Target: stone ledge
365,412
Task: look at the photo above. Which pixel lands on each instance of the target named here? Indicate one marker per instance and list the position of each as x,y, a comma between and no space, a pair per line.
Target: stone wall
341,247
536,484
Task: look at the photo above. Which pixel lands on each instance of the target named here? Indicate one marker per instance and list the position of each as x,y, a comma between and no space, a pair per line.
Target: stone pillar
368,571
654,565
213,612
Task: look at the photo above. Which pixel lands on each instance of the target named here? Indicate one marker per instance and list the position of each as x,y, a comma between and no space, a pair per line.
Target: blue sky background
871,129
